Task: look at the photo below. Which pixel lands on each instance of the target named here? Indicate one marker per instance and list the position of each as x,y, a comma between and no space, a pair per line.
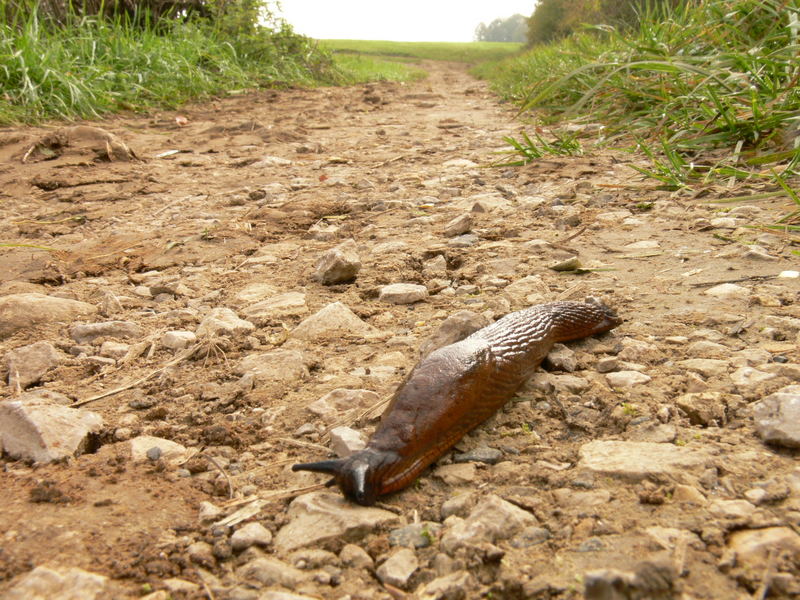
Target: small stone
707,367
27,364
180,586
491,520
704,408
449,587
739,511
153,453
456,474
752,548
250,534
642,245
398,568
570,264
530,536
223,321
255,292
458,226
403,293
277,367
463,241
339,265
777,417
562,358
201,554
169,451
356,557
323,231
320,517
436,267
635,461
461,504
45,583
482,454
178,340
115,350
34,429
288,304
209,512
416,535
687,494
23,311
453,329
649,580
581,499
754,252
748,377
756,495
346,441
728,291
626,379
269,571
334,320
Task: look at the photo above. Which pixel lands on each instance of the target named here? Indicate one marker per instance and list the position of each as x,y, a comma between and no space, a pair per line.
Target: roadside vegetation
78,64
707,89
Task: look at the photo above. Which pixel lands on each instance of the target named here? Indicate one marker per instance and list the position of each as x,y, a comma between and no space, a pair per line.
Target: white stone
59,583
752,548
639,460
223,321
626,379
85,333
251,534
728,291
746,377
320,517
707,367
493,519
777,417
334,320
178,340
27,364
458,226
346,441
338,265
287,304
398,568
170,451
23,311
40,431
403,293
252,293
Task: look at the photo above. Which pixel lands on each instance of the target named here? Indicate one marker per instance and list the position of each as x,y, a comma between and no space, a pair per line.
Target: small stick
739,280
762,590
214,462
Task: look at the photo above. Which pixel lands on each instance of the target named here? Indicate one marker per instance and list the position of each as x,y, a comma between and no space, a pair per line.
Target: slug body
453,390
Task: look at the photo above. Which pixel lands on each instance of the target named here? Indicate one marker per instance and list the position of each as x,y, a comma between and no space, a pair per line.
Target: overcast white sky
403,20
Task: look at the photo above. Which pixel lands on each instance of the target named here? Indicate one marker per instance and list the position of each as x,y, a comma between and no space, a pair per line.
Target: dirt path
232,205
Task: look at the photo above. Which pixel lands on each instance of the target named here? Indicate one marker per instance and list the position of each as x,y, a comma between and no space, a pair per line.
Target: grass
709,90
466,52
360,68
93,66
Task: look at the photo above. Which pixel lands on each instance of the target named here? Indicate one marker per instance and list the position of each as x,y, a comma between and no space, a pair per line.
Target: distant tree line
554,19
512,29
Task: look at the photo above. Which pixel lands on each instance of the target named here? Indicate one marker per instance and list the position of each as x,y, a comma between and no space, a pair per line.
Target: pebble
463,241
319,517
530,536
581,499
23,311
223,321
649,580
704,408
436,267
777,417
334,320
115,350
255,292
276,366
482,454
738,511
562,358
707,367
346,441
398,568
288,304
728,291
268,571
208,512
33,428
626,379
570,264
142,448
453,329
416,535
62,583
27,364
456,474
338,265
250,534
178,340
403,293
449,587
751,547
746,378
458,226
528,290
356,557
493,519
635,461
460,505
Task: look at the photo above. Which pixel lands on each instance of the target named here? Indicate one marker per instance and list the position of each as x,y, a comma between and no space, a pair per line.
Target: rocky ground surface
195,301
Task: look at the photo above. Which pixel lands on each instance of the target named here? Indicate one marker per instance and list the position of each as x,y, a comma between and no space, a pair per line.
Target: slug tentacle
454,389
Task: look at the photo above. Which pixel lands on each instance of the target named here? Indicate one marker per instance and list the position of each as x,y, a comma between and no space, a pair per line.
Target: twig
762,590
303,444
141,380
207,589
214,462
739,280
277,495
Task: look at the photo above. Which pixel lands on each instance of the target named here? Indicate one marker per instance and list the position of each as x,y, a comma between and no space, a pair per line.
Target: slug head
358,476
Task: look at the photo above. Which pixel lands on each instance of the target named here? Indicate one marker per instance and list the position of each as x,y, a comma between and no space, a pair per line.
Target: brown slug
453,390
